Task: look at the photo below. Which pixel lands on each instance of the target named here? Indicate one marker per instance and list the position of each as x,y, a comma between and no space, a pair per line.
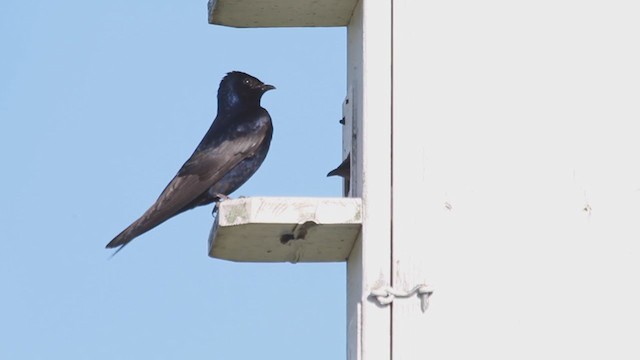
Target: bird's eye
247,81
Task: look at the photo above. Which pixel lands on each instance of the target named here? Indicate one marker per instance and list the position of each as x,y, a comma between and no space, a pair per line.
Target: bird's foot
221,197
218,198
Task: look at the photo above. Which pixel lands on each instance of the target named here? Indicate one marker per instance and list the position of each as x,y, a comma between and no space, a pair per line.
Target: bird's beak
267,87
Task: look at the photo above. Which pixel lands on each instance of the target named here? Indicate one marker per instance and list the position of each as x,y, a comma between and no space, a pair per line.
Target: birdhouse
270,227
493,164
335,229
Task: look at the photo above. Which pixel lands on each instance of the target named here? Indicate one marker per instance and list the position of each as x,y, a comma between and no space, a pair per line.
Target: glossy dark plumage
229,154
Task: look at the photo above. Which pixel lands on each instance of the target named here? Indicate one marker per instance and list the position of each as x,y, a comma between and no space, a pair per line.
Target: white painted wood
516,179
263,229
280,13
369,81
348,132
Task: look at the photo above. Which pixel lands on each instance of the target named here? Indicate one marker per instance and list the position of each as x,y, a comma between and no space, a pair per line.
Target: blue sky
100,103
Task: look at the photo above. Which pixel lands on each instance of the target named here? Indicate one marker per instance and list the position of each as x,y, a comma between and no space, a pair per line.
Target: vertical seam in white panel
391,264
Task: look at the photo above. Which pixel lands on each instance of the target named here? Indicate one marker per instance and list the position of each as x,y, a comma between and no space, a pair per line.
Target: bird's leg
215,209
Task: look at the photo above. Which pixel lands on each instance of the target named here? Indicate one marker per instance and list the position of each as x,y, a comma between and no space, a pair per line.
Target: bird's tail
150,219
165,207
122,239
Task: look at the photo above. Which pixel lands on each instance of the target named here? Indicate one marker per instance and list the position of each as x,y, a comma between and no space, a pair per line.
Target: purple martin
229,154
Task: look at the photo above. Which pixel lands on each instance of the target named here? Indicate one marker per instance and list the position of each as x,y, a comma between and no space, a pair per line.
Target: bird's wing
196,176
207,167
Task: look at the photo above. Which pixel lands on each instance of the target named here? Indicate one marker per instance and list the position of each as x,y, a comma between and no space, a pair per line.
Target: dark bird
229,154
343,169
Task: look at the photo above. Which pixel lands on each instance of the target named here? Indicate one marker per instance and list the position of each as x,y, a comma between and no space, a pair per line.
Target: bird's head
241,88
